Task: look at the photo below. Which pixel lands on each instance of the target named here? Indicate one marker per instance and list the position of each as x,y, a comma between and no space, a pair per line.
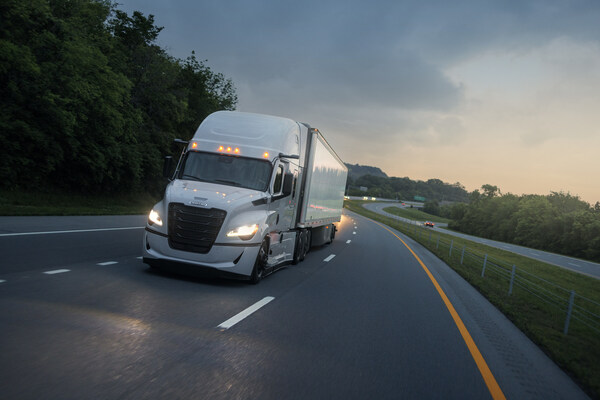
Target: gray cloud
375,77
379,64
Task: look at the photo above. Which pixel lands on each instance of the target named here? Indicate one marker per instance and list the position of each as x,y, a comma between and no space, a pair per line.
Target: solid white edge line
57,271
73,231
242,315
2,281
329,258
107,263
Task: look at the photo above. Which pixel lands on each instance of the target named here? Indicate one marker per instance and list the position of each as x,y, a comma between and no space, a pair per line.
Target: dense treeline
89,102
558,222
406,188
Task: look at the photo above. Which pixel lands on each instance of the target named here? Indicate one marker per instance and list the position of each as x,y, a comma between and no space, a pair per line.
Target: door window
277,185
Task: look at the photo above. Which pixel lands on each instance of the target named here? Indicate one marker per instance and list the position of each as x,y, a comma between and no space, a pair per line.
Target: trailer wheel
306,246
303,242
259,265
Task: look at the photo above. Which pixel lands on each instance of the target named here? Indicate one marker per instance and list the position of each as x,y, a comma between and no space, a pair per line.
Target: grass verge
414,214
541,318
28,203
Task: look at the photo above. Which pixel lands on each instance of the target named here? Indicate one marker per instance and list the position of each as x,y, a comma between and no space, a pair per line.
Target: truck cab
233,205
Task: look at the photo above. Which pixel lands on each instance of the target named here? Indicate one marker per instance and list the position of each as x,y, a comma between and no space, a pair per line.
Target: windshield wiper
191,178
232,183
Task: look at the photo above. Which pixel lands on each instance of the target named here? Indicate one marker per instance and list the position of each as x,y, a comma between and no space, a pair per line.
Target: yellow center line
485,371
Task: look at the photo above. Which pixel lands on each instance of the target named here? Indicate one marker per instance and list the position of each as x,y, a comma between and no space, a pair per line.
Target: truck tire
306,247
259,265
300,238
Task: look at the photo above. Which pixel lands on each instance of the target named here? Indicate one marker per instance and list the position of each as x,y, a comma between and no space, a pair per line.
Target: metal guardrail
566,302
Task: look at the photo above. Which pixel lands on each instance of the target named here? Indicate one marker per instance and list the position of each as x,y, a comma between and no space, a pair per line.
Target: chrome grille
194,229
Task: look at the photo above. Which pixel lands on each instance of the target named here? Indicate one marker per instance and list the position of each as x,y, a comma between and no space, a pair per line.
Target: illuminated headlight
154,218
245,232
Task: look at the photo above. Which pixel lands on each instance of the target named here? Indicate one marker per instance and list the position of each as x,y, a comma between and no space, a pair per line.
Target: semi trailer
250,194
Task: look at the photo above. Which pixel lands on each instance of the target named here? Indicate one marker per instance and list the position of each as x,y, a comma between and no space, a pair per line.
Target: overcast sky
478,92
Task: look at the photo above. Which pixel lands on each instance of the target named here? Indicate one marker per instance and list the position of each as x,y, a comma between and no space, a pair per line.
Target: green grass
415,214
578,352
42,203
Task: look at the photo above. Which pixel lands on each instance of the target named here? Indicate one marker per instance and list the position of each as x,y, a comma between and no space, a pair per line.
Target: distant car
429,224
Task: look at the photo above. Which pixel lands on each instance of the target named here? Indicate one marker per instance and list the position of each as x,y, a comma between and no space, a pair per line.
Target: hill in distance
379,184
356,171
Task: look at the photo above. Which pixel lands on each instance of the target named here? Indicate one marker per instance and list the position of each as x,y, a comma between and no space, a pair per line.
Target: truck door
283,239
283,207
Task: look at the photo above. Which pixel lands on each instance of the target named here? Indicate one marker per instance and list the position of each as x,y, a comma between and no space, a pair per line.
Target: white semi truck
251,193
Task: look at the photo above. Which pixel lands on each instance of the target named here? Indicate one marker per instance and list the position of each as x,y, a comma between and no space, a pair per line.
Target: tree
558,222
28,108
535,226
89,102
204,92
432,207
97,141
63,109
172,96
490,190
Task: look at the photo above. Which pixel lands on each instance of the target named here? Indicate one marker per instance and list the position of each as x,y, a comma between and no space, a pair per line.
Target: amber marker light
220,148
236,151
266,155
194,145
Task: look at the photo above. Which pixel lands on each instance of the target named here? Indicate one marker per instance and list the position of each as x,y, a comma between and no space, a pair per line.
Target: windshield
226,170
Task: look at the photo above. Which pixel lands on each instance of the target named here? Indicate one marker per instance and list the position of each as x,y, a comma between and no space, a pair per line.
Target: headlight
154,218
245,232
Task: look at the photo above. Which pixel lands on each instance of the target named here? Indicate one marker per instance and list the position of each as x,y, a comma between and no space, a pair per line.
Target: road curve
83,318
574,264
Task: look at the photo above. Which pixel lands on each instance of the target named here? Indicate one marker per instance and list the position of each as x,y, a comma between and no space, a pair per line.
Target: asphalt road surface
574,264
363,318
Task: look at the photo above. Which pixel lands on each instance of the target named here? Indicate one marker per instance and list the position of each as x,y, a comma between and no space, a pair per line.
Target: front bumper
231,261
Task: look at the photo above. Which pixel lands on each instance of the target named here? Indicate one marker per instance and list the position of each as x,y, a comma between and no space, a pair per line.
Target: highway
574,264
370,316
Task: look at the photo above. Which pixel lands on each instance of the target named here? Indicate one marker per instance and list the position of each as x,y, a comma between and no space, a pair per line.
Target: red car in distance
429,224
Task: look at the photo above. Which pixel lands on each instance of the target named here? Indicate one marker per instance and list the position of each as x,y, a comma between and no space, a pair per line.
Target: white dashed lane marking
57,271
329,258
62,271
72,231
248,311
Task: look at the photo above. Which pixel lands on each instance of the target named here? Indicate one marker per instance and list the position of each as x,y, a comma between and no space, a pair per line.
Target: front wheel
258,271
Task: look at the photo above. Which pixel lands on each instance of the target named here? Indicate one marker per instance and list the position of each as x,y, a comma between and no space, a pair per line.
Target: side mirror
167,167
288,183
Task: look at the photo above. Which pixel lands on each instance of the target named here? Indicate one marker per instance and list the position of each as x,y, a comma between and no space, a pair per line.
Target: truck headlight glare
245,232
154,218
